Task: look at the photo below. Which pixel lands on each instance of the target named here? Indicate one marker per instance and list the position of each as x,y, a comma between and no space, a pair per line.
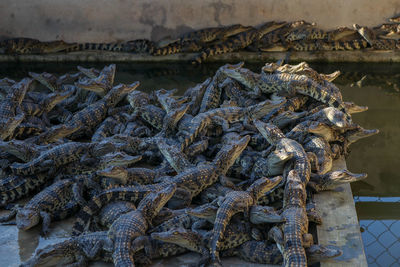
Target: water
377,197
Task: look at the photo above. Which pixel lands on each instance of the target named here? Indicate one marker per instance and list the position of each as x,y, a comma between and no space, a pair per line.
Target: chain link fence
380,229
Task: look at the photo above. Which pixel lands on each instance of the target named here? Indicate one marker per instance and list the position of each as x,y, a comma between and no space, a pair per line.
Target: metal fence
380,229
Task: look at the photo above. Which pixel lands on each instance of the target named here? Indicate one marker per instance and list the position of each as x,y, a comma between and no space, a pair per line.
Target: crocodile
135,223
227,115
88,118
74,251
133,46
31,46
11,114
287,82
234,202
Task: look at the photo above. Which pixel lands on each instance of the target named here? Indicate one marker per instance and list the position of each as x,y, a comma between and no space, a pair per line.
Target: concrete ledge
317,56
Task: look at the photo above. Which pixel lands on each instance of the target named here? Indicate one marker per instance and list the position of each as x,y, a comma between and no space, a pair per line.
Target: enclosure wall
110,20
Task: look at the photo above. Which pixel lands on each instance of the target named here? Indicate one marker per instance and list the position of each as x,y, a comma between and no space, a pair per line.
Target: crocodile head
55,98
261,186
264,214
333,179
116,172
118,159
207,211
151,205
351,108
269,131
318,253
242,75
138,99
180,236
359,133
229,153
19,149
263,108
118,92
27,218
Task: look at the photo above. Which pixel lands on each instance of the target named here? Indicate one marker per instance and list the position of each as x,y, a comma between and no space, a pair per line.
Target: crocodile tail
87,46
19,187
168,50
132,194
222,219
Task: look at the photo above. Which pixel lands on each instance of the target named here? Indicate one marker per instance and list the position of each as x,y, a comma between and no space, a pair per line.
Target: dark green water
377,197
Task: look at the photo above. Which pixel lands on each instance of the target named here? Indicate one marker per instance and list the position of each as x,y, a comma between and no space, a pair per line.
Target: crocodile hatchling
116,156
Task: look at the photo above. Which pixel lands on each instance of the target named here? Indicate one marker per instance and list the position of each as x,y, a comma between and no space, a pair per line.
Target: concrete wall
110,20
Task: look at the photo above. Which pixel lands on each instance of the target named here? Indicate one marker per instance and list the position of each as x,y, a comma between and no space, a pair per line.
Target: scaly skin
76,250
234,202
135,223
97,202
322,150
113,211
53,158
290,83
319,45
17,187
131,175
45,205
134,46
294,201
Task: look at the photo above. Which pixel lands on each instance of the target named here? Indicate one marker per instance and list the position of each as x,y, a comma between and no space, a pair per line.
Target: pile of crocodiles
229,168
270,36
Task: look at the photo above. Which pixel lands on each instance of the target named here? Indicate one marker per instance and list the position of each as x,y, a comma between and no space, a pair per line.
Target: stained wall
110,20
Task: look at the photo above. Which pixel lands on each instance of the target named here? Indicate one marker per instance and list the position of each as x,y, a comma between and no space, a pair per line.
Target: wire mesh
381,238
